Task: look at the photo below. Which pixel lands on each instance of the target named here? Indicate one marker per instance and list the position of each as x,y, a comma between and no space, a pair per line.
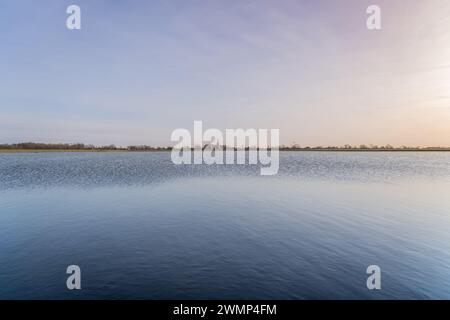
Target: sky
137,70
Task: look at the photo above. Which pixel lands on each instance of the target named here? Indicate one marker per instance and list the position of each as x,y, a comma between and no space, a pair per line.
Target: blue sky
140,69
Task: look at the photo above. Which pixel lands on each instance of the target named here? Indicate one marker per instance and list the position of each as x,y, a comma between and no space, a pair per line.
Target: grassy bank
45,150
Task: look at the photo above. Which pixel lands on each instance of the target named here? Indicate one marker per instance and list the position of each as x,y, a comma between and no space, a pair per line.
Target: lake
141,227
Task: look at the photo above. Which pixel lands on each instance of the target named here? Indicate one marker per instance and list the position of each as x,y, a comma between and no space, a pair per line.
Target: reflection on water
141,227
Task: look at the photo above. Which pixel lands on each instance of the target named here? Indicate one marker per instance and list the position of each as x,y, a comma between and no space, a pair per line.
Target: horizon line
143,147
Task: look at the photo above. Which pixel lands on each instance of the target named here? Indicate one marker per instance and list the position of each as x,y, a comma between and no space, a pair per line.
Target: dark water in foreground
141,227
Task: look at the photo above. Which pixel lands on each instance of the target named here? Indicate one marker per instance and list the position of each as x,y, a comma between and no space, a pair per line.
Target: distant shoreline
3,151
33,147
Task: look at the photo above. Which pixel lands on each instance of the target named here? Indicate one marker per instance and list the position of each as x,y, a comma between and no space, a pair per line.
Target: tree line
75,146
293,147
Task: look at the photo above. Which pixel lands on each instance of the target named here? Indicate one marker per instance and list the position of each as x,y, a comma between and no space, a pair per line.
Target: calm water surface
141,227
